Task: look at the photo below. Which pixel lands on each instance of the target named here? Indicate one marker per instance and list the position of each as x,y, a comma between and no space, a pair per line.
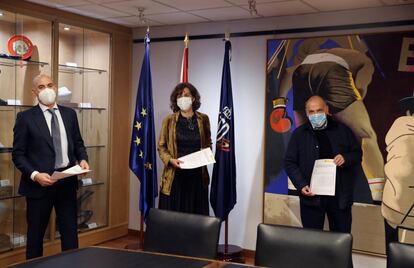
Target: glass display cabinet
25,51
84,86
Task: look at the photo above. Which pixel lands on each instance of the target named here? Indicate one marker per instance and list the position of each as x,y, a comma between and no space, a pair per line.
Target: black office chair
400,256
292,247
182,234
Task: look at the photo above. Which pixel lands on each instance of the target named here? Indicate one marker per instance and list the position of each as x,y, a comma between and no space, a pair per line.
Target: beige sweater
398,194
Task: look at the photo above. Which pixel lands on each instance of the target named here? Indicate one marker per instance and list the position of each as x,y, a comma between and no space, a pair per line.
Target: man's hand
83,164
44,179
339,160
306,191
175,162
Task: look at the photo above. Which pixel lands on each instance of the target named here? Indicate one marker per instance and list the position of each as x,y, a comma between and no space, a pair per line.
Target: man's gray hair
37,77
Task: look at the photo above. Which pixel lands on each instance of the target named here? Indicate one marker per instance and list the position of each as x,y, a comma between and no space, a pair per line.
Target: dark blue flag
223,184
142,157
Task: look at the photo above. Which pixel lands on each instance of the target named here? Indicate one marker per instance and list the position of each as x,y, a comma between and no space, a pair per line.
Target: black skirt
188,194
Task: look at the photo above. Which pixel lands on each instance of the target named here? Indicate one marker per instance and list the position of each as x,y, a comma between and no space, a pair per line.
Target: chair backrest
288,247
400,256
182,234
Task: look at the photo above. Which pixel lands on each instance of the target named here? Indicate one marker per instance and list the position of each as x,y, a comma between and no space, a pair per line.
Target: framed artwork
381,68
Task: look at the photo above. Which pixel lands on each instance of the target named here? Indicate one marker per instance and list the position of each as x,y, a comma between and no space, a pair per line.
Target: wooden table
101,257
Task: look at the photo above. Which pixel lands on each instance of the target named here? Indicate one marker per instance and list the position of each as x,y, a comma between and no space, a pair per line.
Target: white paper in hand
197,159
323,178
75,170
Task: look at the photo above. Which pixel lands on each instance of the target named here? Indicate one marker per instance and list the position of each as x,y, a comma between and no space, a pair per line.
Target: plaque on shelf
92,225
18,239
14,102
85,105
4,182
86,181
21,46
71,64
6,191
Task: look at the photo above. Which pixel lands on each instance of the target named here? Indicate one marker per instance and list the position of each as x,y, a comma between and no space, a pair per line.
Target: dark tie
56,139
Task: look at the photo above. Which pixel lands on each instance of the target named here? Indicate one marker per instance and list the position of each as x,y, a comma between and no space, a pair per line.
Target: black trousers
391,235
340,220
61,196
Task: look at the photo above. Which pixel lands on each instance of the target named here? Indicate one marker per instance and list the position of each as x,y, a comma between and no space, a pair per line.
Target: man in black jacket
47,139
322,138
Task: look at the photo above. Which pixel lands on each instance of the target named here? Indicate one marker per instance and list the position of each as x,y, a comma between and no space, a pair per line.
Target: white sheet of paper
75,170
323,178
198,159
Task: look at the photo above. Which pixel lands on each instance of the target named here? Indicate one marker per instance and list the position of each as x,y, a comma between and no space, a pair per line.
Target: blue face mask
318,121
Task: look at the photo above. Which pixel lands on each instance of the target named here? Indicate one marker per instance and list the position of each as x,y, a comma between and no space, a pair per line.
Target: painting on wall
367,81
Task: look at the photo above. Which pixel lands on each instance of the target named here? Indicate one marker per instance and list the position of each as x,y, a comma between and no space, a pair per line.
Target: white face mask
47,96
184,103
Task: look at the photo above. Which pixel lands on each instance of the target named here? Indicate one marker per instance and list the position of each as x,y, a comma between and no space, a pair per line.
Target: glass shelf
73,69
6,150
94,146
14,61
11,197
74,107
94,183
10,149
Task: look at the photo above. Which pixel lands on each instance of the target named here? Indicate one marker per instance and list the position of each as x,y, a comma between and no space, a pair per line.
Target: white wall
248,77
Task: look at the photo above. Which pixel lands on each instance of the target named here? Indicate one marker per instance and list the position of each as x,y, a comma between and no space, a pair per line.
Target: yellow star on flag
148,166
141,154
138,125
144,112
137,140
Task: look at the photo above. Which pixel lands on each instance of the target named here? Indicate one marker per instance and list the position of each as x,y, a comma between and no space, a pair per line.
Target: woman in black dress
184,132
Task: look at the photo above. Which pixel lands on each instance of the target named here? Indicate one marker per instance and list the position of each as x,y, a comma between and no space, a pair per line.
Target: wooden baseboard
133,232
247,253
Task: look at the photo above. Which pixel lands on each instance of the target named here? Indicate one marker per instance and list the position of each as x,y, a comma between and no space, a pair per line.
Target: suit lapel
40,121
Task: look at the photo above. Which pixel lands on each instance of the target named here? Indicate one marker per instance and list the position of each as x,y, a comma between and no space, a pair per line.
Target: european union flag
223,184
142,157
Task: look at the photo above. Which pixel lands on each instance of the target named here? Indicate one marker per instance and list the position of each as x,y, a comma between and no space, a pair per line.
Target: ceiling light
66,28
141,16
252,7
1,14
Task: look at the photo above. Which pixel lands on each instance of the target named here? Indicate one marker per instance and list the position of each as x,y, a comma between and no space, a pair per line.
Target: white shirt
63,135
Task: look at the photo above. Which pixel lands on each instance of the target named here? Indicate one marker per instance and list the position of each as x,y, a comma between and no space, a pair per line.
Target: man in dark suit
47,139
323,138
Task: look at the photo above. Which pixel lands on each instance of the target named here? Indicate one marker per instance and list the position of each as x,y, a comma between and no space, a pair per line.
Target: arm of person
291,164
162,148
20,140
354,154
20,144
207,132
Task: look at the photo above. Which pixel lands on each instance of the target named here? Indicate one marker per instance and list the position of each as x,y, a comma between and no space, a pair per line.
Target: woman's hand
175,162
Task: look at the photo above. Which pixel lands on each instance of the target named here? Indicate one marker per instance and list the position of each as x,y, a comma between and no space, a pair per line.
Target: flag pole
223,183
141,231
226,236
142,161
140,244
